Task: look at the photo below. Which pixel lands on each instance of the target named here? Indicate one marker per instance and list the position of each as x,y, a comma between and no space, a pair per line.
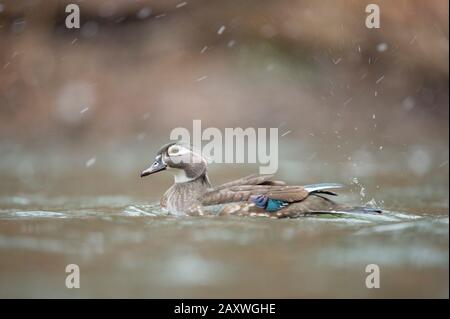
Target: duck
255,195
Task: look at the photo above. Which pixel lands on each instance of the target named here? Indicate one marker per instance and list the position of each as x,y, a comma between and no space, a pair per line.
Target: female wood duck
193,194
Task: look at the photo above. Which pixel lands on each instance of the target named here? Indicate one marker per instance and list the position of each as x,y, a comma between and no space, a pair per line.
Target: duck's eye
174,150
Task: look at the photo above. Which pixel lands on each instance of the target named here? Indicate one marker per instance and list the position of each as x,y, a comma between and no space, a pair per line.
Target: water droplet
144,13
221,30
182,4
90,162
89,29
202,78
382,47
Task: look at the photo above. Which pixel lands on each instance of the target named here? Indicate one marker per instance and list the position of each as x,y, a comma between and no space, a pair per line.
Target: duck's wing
229,192
253,179
284,193
311,205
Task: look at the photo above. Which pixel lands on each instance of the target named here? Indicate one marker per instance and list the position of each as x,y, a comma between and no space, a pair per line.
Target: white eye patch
176,150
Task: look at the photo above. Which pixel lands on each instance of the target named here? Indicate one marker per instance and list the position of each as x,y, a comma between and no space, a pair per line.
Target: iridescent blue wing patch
268,204
274,204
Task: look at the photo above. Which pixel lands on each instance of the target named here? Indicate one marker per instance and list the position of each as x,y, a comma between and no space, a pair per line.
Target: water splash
145,210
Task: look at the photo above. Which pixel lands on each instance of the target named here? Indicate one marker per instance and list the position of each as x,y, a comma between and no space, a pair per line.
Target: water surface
109,223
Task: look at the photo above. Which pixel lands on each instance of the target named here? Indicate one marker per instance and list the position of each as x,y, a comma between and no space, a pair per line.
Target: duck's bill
157,166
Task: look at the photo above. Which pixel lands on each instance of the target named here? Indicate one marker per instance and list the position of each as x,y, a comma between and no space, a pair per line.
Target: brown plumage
243,193
192,193
302,201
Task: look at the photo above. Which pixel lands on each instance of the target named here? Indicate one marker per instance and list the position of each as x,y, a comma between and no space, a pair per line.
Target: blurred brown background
137,69
83,111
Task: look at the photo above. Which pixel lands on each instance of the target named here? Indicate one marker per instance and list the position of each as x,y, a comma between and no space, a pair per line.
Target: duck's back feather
242,189
253,179
285,201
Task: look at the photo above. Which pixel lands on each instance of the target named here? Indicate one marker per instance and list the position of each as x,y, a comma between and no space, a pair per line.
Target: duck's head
180,159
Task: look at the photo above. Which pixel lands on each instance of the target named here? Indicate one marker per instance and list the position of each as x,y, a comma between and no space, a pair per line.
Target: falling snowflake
202,78
382,47
379,79
337,61
221,30
90,162
144,13
140,136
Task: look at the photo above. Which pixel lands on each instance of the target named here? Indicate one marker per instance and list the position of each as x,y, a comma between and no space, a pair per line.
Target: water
140,251
106,220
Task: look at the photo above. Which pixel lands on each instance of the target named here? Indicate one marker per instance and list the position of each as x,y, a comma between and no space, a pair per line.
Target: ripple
145,210
36,213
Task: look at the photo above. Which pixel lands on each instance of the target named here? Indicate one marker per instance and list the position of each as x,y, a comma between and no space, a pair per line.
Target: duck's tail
362,210
340,208
318,190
